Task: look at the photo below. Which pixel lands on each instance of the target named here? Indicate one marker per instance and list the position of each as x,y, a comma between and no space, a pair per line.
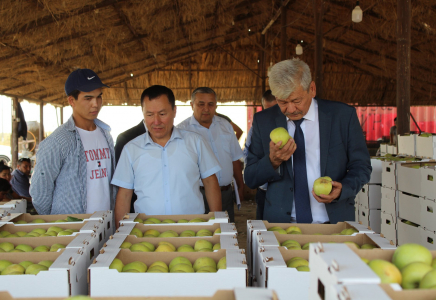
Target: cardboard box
254,226
407,145
226,228
106,217
370,196
383,149
370,218
227,241
409,178
273,273
389,201
408,233
392,149
219,217
376,174
389,179
426,147
388,228
410,207
236,294
357,292
356,213
428,182
14,206
109,282
65,277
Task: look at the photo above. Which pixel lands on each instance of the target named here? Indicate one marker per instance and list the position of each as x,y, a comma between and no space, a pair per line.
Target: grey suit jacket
344,157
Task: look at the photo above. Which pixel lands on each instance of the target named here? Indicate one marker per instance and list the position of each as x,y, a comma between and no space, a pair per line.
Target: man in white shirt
164,165
220,136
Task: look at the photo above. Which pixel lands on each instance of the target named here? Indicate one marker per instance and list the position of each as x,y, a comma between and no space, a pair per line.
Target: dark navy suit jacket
344,157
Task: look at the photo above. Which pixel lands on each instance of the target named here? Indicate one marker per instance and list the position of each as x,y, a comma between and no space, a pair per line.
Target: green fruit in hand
428,281
148,245
387,271
322,186
204,232
222,263
181,268
24,247
409,253
168,233
4,264
152,232
125,245
203,262
139,248
292,228
46,263
202,244
216,246
280,134
179,260
7,246
35,269
14,268
303,269
159,264
136,265
117,264
187,233
136,231
413,273
185,248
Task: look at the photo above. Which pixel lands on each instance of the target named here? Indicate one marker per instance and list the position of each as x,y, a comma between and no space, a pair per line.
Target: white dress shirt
310,128
222,139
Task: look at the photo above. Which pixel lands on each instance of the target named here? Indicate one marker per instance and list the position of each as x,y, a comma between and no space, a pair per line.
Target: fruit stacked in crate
409,267
204,219
198,258
368,200
46,254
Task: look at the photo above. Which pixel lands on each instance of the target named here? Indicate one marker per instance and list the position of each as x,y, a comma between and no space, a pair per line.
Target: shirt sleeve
207,162
124,176
247,144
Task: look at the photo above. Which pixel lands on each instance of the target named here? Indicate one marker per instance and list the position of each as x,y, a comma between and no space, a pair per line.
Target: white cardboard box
411,234
370,196
407,145
273,273
392,149
109,282
388,228
376,174
383,149
389,174
15,206
426,147
370,218
65,277
356,213
389,201
357,292
428,182
220,217
409,178
410,207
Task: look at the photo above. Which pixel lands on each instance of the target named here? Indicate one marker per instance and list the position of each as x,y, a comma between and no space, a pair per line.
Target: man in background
268,100
20,177
393,133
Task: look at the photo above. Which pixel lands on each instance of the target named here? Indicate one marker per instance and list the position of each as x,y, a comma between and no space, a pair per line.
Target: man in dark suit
122,140
327,141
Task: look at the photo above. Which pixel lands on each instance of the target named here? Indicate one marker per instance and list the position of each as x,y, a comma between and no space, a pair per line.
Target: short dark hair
4,185
156,91
395,119
4,166
75,94
268,96
202,90
23,159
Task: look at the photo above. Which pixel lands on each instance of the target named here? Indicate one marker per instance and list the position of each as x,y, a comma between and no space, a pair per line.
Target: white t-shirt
98,165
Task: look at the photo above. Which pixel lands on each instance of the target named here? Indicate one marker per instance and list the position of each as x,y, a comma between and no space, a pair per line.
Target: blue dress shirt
166,179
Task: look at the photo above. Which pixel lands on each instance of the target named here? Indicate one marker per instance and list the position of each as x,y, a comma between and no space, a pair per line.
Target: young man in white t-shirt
76,162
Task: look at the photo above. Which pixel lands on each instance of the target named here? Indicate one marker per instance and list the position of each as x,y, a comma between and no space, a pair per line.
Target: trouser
260,201
227,203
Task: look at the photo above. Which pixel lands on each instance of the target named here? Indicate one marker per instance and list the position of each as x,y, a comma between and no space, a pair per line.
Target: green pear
428,281
205,250
15,250
292,228
148,222
204,232
179,260
35,269
52,233
305,246
185,248
280,134
413,273
60,221
182,221
181,268
204,261
168,221
297,262
187,233
138,220
14,268
365,260
136,231
157,269
303,269
202,244
24,247
20,233
387,271
41,248
32,234
159,264
117,264
4,264
148,245
322,186
197,220
216,246
136,265
2,251
292,232
168,233
353,243
139,248
131,271
65,232
217,231
55,229
4,233
368,246
21,222
164,248
290,242
207,269
125,245
409,253
46,263
12,235
152,232
222,263
274,228
7,246
433,263
293,247
167,244
154,220
25,264
37,221
39,230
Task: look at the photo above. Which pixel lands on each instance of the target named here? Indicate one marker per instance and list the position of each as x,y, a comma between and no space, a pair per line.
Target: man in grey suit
327,141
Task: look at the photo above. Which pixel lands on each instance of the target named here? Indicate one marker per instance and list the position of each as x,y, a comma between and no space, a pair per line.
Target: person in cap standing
75,164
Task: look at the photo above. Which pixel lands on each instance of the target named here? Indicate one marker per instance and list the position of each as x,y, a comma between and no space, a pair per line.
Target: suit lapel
282,122
325,123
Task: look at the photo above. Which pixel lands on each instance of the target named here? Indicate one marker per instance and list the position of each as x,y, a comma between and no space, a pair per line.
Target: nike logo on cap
89,78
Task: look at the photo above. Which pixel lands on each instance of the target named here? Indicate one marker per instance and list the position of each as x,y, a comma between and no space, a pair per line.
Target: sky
119,118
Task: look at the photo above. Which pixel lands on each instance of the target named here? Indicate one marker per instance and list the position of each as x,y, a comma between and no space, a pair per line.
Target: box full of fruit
425,145
206,219
121,272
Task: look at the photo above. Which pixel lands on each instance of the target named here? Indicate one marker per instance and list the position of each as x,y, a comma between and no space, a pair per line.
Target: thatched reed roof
188,43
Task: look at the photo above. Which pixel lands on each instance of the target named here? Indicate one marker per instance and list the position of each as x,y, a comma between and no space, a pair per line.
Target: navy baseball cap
84,80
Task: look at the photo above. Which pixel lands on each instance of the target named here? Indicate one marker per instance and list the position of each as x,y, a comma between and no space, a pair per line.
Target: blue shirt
166,179
246,146
20,183
222,140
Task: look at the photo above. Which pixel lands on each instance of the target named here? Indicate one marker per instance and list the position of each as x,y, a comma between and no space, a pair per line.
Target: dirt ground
247,212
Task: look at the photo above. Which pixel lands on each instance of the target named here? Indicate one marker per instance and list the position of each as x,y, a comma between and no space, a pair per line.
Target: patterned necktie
301,188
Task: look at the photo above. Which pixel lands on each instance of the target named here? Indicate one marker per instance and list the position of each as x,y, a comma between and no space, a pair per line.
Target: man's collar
174,135
193,121
311,113
71,126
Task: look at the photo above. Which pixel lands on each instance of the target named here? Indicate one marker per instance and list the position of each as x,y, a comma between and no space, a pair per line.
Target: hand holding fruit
323,193
278,154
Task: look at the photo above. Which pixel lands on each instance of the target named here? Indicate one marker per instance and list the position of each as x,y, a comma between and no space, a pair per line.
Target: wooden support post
41,121
263,62
190,79
318,7
283,32
61,108
404,20
14,137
